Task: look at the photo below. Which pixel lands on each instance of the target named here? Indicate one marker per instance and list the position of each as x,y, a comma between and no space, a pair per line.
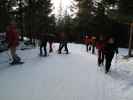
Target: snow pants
50,46
43,46
109,58
100,57
93,49
88,47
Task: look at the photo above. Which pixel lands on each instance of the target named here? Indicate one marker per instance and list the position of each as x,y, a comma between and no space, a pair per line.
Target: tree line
31,16
93,17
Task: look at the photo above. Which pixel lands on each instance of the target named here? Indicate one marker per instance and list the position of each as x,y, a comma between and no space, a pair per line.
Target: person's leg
60,47
102,57
99,57
13,52
66,49
41,45
15,57
87,47
50,47
93,49
107,64
108,61
45,49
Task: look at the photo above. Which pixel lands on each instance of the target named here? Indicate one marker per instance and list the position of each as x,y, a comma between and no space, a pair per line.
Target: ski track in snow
65,77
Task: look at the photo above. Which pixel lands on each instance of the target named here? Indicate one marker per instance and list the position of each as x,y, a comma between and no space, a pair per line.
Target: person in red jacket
100,47
12,38
87,41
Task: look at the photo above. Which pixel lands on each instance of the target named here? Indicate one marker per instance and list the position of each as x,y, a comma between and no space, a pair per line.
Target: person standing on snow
100,47
43,44
110,49
63,43
51,40
50,46
93,41
87,41
12,38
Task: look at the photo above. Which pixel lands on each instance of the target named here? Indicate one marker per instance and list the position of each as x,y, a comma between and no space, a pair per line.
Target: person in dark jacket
63,43
110,49
12,38
100,47
43,44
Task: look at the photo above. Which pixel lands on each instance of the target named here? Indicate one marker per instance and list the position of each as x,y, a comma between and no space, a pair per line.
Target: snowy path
60,77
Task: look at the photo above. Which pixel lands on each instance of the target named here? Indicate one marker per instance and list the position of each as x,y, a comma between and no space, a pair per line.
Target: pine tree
5,13
38,17
126,10
84,15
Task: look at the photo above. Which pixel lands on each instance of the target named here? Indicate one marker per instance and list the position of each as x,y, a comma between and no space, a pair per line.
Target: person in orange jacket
87,41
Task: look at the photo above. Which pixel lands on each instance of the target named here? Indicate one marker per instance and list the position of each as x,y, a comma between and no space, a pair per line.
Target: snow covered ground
65,77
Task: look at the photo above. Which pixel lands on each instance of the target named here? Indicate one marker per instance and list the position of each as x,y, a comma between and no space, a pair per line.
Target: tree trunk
130,40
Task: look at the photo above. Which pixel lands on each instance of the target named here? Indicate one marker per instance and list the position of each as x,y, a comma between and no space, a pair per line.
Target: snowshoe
16,63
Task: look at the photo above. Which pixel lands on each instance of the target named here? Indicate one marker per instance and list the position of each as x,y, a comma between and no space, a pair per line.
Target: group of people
106,47
12,39
44,38
106,50
90,42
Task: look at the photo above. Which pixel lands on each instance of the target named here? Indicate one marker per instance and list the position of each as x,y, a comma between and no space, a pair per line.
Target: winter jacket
63,38
12,37
43,37
100,45
110,48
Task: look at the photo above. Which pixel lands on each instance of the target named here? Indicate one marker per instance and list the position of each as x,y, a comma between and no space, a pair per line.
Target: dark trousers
63,45
109,58
88,47
100,57
43,46
93,49
50,46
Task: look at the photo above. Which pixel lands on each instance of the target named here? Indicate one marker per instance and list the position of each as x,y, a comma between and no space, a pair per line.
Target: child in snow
110,49
63,43
12,38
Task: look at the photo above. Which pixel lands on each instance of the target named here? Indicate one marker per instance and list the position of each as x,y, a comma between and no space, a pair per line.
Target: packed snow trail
59,77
